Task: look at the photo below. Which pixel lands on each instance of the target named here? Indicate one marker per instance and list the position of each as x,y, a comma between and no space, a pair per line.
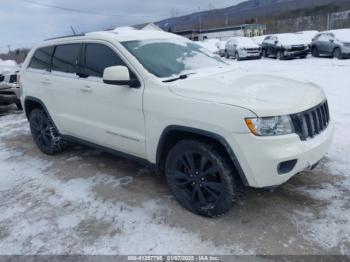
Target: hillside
254,11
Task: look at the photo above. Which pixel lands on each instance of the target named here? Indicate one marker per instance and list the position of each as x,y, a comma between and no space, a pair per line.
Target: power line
81,11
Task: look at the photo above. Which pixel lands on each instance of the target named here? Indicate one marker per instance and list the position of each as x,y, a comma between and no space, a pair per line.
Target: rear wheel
45,134
337,53
303,57
202,180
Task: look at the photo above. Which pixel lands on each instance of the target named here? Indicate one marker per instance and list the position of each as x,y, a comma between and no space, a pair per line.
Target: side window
42,58
65,58
98,57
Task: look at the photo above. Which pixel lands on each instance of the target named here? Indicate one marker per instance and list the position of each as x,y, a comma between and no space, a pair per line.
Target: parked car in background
307,36
10,90
259,39
242,48
284,46
163,100
335,43
222,47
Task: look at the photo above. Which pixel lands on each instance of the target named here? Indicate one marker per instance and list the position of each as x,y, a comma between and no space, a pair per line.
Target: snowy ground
88,202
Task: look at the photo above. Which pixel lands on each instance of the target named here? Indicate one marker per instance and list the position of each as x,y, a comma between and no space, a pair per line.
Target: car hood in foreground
265,95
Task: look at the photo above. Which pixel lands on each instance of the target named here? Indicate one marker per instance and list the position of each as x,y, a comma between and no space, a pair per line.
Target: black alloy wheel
201,179
45,134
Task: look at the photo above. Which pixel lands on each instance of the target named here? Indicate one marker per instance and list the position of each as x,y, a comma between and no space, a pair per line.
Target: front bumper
250,54
260,157
294,54
6,100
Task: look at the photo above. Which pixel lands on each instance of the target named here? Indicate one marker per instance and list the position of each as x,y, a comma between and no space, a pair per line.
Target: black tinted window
65,58
42,58
98,57
1,78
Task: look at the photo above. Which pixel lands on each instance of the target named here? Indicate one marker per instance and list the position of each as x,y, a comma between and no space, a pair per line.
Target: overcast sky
23,22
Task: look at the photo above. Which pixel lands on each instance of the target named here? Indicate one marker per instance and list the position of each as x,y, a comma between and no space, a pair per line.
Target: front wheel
45,134
227,55
201,179
280,55
314,52
337,53
238,58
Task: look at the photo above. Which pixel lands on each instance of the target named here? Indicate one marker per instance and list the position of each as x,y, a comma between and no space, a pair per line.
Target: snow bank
211,45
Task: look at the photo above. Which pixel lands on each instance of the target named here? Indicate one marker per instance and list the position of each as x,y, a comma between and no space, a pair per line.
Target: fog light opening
286,167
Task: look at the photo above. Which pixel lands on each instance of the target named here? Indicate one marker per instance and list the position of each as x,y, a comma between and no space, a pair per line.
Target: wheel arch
31,103
173,134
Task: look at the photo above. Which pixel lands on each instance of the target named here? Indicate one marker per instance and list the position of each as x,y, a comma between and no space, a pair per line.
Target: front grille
312,122
298,48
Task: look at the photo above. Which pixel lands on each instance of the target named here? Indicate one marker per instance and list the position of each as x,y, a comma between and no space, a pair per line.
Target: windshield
173,57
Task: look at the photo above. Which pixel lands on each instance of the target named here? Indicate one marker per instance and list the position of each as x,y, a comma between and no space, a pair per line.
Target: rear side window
98,57
65,58
1,78
42,58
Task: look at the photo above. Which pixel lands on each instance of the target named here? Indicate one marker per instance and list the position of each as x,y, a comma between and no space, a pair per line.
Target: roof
120,36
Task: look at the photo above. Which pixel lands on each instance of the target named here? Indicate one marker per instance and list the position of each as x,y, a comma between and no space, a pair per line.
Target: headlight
270,126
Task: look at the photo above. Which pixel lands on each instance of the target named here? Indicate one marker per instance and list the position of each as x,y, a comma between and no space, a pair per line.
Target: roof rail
67,36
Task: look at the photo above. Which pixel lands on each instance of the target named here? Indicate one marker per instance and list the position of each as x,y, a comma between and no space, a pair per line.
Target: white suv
162,99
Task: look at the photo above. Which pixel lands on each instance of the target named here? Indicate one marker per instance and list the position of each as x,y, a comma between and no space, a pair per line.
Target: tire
227,55
303,57
264,53
314,52
279,55
237,56
19,106
201,179
45,134
338,54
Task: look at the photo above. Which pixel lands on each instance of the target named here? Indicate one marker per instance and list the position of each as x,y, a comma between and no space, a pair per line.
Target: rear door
112,114
323,43
63,93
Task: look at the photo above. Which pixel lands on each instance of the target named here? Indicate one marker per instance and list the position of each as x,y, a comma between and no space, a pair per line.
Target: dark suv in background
284,46
335,43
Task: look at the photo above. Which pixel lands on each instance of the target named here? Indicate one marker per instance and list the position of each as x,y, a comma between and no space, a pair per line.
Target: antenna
74,33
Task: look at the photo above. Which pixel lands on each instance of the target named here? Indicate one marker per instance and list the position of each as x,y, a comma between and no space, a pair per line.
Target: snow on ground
332,226
47,215
82,202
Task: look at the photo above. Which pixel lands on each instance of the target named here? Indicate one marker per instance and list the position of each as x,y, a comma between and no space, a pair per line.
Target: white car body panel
215,100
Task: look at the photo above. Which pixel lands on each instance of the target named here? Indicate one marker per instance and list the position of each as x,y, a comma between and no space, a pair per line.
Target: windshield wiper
181,77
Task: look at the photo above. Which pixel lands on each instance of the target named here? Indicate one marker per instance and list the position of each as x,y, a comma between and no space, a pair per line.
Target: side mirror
276,42
118,75
331,40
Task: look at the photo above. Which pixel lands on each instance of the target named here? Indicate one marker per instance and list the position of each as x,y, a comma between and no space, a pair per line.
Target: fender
208,134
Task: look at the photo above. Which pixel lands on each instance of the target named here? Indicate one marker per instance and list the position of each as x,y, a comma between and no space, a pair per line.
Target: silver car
242,48
335,43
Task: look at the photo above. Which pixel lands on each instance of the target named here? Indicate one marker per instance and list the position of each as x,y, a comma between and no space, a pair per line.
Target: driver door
112,115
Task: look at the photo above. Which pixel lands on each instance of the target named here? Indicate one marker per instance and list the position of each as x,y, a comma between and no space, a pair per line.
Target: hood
265,95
